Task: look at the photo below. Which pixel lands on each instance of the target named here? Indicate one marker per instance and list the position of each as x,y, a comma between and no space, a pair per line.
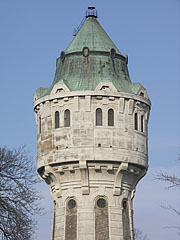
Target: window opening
98,117
101,219
101,203
126,219
110,117
142,94
71,204
67,118
124,204
85,51
142,123
136,121
71,220
56,119
113,53
40,125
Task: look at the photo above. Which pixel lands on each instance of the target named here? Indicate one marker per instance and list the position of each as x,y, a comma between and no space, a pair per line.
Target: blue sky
32,35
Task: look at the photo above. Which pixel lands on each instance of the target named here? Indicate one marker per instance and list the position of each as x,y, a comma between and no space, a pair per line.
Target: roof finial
91,12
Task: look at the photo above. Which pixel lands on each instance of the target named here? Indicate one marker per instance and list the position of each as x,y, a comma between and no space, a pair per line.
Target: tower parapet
92,138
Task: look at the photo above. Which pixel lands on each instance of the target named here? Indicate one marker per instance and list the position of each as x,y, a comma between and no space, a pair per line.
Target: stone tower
92,138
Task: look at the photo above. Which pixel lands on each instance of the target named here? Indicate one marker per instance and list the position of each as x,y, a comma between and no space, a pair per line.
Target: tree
19,200
173,182
138,235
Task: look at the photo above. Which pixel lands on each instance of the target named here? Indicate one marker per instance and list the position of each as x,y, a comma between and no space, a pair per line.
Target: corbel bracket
118,178
54,183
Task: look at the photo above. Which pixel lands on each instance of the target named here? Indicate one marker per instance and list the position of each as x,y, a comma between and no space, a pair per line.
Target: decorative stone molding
118,178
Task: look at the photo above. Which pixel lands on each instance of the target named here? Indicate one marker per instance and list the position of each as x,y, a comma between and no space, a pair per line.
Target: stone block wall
83,162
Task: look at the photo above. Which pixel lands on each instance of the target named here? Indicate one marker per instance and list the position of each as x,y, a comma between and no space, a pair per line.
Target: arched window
110,117
142,123
85,51
39,125
67,118
56,119
71,220
101,219
125,219
135,121
98,117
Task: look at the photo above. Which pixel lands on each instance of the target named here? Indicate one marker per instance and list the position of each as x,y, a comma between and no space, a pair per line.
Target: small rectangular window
39,125
142,124
56,119
135,121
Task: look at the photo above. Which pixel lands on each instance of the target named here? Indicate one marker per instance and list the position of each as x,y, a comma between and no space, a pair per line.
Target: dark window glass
124,204
39,124
136,121
67,118
110,117
142,124
71,204
101,202
56,119
98,117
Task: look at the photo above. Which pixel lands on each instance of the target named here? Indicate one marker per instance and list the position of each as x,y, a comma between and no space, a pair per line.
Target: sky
32,35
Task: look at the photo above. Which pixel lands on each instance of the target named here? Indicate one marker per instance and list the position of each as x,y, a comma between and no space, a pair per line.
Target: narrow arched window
56,119
98,117
110,117
101,219
39,125
142,123
71,220
126,219
67,118
135,121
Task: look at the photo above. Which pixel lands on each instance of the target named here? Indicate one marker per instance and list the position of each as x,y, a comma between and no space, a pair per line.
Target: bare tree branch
138,235
19,200
172,180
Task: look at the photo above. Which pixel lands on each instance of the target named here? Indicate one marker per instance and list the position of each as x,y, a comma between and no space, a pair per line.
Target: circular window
71,204
101,203
85,51
113,53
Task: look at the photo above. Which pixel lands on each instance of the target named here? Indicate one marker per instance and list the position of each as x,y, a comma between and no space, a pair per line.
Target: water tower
92,138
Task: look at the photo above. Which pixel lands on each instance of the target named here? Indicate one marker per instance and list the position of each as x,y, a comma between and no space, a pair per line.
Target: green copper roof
93,36
83,70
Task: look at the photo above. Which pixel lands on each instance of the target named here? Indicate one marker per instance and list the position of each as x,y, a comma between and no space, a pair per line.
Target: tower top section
91,35
91,58
91,12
